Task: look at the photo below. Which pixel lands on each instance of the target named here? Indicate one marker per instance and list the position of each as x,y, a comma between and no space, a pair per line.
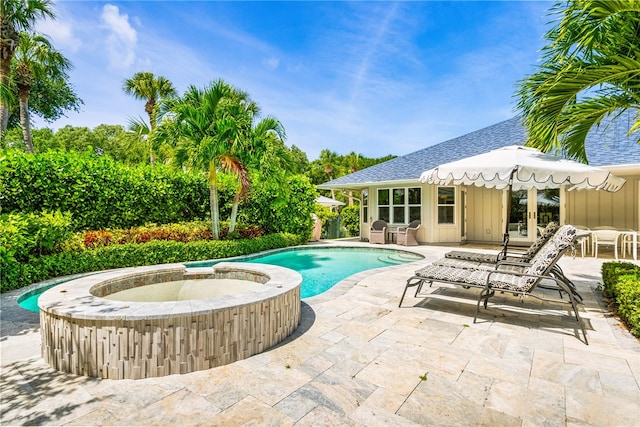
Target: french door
531,211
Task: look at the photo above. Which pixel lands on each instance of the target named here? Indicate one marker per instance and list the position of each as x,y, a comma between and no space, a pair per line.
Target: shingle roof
607,144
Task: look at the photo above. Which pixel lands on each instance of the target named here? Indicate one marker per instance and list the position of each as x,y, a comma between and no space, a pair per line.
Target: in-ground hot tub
191,327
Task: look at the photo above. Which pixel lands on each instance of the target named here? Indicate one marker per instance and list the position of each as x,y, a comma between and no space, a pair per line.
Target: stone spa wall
85,334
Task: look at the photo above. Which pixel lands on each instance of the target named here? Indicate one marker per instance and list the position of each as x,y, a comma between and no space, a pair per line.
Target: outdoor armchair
378,232
407,235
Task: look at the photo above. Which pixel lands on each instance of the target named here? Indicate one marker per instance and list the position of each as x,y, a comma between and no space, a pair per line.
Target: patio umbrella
328,201
518,168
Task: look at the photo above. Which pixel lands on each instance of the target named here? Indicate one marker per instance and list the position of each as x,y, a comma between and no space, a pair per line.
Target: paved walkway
358,359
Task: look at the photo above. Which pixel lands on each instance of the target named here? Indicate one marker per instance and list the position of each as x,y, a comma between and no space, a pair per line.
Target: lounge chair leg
574,296
485,294
409,284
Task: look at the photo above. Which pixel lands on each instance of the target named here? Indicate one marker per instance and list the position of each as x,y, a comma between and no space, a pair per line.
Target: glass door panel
531,211
519,216
548,208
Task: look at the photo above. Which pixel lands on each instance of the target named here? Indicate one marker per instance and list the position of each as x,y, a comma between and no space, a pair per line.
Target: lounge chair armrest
515,250
514,263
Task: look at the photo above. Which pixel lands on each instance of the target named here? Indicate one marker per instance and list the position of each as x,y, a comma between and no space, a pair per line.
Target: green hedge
351,219
100,192
282,207
622,283
15,275
23,236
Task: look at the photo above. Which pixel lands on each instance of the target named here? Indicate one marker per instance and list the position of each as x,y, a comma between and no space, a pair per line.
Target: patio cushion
546,234
472,256
547,256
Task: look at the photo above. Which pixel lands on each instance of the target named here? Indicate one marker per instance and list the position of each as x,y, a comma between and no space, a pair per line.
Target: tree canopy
590,70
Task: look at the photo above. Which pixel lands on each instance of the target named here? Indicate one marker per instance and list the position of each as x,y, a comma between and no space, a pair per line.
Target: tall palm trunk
213,201
8,44
333,194
234,213
23,95
150,109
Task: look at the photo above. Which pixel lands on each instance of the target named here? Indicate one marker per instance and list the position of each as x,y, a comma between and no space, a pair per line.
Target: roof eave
361,185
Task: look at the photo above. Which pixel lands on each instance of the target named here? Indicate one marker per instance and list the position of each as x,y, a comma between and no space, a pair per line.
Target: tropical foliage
18,270
15,16
205,134
621,282
590,70
282,206
35,59
146,86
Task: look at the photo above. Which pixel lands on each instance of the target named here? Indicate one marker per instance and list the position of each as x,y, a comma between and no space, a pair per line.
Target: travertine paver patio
358,359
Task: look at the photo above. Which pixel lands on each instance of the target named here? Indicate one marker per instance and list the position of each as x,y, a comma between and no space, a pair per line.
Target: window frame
451,206
404,194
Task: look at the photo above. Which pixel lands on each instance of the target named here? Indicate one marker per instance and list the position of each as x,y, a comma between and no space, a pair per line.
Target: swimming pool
321,268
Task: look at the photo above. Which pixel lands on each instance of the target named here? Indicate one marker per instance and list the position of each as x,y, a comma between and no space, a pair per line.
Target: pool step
396,259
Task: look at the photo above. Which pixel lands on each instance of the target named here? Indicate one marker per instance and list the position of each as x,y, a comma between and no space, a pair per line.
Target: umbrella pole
505,238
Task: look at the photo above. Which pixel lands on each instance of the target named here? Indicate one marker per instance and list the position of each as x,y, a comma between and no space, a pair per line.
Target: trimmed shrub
101,192
622,283
33,234
25,236
132,255
282,208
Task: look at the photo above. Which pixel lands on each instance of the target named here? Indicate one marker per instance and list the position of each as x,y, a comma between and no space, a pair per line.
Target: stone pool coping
75,299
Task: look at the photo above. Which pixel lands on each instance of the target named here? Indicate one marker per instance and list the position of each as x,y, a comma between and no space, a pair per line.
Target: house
392,190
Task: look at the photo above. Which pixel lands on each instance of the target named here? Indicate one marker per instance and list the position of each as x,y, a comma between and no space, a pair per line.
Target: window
415,204
446,205
383,205
400,205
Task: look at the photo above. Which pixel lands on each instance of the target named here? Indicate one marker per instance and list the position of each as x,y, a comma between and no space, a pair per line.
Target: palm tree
198,125
353,160
34,59
590,70
16,16
328,160
262,149
236,128
147,87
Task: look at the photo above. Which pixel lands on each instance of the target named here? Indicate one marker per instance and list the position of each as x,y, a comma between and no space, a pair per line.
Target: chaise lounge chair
521,281
378,232
407,235
545,235
485,261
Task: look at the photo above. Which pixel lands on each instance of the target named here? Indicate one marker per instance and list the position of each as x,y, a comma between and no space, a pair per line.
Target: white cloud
61,33
272,63
122,38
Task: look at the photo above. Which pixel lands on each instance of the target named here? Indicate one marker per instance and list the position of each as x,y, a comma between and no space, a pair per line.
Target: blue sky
376,78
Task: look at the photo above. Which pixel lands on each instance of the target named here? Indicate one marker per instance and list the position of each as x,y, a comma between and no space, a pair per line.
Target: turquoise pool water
320,268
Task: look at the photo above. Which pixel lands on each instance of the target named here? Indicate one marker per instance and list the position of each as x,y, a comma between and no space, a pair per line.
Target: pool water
320,268
30,302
